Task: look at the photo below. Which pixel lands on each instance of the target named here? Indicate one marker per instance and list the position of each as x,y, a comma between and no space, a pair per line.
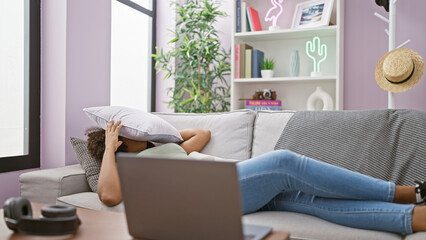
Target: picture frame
314,13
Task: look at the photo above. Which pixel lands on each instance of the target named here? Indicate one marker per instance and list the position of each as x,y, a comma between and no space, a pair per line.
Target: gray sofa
237,135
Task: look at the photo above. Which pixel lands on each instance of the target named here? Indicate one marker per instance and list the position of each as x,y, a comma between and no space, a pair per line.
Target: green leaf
174,40
201,63
188,91
188,100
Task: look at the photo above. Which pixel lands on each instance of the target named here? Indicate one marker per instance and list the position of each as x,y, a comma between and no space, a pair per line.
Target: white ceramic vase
320,95
316,74
294,64
274,28
267,73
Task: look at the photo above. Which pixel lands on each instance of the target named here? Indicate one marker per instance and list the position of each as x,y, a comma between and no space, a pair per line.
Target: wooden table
94,225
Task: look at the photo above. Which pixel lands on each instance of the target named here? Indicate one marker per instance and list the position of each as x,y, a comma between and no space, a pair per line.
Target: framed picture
312,13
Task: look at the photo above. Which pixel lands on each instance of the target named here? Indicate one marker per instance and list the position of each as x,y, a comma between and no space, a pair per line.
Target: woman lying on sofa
286,181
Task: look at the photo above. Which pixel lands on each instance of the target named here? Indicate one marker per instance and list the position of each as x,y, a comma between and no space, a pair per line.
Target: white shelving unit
284,79
279,44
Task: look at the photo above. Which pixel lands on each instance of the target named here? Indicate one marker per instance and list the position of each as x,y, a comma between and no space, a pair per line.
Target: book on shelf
254,20
237,61
244,23
248,63
263,104
257,59
250,26
238,16
240,59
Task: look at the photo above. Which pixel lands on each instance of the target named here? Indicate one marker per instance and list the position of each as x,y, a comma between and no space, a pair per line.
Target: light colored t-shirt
172,150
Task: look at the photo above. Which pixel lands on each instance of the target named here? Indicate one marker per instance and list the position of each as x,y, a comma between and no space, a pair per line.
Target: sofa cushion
416,236
231,132
388,144
137,124
302,226
88,200
45,185
90,165
267,129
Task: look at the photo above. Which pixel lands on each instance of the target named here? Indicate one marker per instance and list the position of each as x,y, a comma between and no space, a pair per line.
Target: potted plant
196,61
268,65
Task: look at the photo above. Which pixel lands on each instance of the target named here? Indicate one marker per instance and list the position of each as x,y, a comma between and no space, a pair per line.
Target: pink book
237,61
254,19
264,103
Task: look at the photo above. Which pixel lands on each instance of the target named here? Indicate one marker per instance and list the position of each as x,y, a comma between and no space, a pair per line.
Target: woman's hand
111,135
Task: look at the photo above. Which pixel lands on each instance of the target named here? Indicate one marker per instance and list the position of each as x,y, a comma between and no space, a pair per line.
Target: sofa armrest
46,185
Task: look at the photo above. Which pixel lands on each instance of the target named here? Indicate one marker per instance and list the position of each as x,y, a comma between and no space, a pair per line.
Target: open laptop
182,199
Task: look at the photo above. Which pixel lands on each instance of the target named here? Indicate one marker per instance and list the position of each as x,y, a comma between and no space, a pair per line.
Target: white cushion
137,124
416,236
267,130
302,226
88,200
44,186
231,132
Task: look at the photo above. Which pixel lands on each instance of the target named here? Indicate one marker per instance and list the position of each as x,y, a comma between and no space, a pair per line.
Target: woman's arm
194,139
109,190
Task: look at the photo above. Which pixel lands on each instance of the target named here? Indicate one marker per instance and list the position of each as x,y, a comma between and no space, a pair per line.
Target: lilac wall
53,82
366,42
164,22
88,65
9,186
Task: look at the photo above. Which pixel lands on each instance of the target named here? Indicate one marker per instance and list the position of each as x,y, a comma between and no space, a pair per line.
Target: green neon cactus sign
313,47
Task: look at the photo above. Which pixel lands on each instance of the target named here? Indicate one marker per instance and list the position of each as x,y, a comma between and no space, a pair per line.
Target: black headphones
55,219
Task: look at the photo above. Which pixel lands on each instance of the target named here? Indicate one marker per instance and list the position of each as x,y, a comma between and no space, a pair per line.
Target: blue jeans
285,181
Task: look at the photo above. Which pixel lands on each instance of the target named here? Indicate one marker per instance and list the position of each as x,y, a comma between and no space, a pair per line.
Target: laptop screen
166,198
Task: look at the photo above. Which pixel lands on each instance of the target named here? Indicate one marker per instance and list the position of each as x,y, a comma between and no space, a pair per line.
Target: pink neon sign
274,12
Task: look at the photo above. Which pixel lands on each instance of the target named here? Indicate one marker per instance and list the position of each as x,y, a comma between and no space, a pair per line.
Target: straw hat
399,70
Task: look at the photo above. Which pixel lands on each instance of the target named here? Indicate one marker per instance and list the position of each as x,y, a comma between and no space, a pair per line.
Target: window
132,42
19,84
